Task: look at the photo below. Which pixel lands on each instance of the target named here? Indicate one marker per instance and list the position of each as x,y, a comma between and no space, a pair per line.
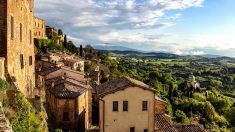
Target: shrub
25,119
181,117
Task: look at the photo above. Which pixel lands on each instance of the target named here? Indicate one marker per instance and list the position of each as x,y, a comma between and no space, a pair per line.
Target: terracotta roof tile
118,84
67,90
47,70
188,128
162,125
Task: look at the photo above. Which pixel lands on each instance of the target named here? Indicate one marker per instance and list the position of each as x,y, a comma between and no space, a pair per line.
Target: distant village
74,100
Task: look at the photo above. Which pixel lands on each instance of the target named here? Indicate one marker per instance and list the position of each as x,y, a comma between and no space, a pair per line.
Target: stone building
51,30
17,43
69,104
126,105
68,96
39,28
75,64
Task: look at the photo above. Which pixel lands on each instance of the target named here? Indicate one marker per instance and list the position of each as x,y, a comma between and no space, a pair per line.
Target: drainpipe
103,113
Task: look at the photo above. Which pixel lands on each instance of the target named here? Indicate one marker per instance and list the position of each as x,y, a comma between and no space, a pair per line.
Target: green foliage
181,117
88,68
45,45
216,83
26,119
71,47
59,130
3,85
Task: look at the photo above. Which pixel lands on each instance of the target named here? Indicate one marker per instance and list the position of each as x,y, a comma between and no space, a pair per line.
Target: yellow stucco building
126,105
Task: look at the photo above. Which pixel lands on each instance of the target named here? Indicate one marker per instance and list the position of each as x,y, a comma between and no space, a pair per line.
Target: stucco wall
122,121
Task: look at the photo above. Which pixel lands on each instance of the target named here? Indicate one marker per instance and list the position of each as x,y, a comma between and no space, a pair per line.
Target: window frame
144,105
12,27
115,103
30,60
21,32
132,129
22,61
65,118
125,106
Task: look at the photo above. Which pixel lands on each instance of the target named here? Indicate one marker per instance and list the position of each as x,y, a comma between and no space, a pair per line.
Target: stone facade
51,30
2,68
71,113
16,42
39,28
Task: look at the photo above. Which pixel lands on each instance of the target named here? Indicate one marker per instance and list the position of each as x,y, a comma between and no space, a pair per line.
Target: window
30,60
145,105
65,116
132,129
21,32
30,36
22,61
145,130
12,27
125,105
115,105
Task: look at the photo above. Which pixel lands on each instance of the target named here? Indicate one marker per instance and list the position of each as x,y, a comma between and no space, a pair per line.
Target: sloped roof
47,70
188,128
119,84
162,125
67,90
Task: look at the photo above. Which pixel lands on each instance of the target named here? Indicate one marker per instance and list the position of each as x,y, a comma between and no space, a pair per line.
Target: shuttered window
30,60
22,61
21,32
12,27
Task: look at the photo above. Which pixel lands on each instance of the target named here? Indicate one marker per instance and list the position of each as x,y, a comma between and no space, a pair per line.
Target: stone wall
160,107
2,68
39,28
3,29
17,42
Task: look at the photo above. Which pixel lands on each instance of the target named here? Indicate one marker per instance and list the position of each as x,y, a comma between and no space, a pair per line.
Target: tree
181,117
60,32
65,41
89,48
81,51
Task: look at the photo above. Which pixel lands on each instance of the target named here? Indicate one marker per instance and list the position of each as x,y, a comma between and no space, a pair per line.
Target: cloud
126,22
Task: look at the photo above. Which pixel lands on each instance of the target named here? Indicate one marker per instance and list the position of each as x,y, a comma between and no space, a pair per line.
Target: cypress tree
65,41
81,51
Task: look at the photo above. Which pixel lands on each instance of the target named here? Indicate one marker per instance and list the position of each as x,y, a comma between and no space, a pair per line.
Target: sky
183,27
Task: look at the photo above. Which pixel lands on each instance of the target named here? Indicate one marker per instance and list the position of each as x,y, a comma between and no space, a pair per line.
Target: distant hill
210,56
140,54
163,55
112,47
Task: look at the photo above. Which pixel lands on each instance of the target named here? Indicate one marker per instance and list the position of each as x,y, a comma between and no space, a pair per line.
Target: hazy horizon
194,27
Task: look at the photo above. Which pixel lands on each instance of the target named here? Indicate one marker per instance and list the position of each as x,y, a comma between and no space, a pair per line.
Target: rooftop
118,84
46,70
67,90
162,125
